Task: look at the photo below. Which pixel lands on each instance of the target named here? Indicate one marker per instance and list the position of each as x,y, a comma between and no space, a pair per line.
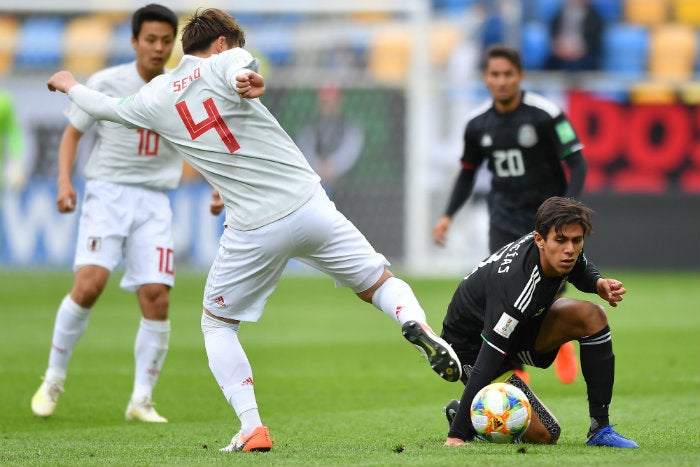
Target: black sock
598,368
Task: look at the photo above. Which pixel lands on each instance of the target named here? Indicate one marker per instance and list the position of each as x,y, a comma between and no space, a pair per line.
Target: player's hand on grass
610,290
455,442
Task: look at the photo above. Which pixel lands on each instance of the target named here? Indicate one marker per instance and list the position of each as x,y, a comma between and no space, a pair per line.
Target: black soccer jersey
488,316
505,291
524,150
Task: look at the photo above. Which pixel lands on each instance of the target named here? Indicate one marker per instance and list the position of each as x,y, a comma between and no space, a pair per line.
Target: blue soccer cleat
606,436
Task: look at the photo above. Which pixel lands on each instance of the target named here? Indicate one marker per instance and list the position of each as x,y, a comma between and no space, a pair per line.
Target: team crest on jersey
506,325
94,243
486,140
527,136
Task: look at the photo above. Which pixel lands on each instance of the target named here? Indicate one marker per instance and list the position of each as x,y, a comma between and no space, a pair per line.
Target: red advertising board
638,148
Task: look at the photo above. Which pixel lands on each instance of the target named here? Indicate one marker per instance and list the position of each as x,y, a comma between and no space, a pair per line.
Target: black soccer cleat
451,411
442,358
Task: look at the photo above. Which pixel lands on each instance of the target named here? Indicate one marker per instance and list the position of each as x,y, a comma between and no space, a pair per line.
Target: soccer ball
500,413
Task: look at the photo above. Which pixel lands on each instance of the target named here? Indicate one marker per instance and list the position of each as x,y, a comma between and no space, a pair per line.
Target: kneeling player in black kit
504,313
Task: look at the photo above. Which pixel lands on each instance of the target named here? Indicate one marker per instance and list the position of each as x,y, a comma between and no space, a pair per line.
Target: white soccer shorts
249,263
130,222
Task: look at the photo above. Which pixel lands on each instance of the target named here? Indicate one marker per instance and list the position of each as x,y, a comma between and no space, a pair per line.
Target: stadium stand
389,54
672,51
120,49
274,42
610,10
85,42
626,49
534,45
40,42
452,6
545,10
643,40
444,39
652,92
687,11
697,55
647,12
9,25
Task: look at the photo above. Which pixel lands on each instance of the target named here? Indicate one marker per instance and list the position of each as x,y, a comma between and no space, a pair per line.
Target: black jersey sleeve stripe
526,295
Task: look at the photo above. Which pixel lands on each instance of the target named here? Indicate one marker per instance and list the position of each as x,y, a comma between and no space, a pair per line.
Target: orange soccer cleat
258,440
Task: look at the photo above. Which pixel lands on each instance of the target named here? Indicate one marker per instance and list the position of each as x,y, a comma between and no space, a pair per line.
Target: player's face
559,251
153,48
503,80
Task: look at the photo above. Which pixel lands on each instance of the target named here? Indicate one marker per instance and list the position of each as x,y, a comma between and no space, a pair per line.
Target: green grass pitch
335,381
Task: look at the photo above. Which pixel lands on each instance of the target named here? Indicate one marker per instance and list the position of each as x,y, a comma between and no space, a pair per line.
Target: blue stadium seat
249,19
534,45
544,10
452,6
121,50
625,49
40,42
492,30
610,10
697,53
274,42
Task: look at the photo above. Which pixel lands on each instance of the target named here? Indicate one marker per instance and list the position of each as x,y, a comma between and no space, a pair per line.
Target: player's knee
594,316
154,300
86,293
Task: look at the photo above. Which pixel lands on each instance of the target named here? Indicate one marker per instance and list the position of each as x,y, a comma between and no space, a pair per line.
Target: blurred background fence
404,75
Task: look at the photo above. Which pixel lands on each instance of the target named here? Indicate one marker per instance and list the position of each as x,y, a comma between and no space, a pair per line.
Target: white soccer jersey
123,155
237,145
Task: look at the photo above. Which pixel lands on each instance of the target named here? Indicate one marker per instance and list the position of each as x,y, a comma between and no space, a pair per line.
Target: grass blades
335,381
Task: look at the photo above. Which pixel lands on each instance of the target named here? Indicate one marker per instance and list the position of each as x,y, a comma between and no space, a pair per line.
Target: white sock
70,325
397,300
150,349
231,369
250,420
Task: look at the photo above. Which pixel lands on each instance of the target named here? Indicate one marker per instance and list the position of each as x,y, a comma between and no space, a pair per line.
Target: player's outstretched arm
610,290
250,85
97,104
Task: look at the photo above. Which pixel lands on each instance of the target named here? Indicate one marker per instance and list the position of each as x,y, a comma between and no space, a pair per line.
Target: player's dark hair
557,212
502,51
152,12
205,27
